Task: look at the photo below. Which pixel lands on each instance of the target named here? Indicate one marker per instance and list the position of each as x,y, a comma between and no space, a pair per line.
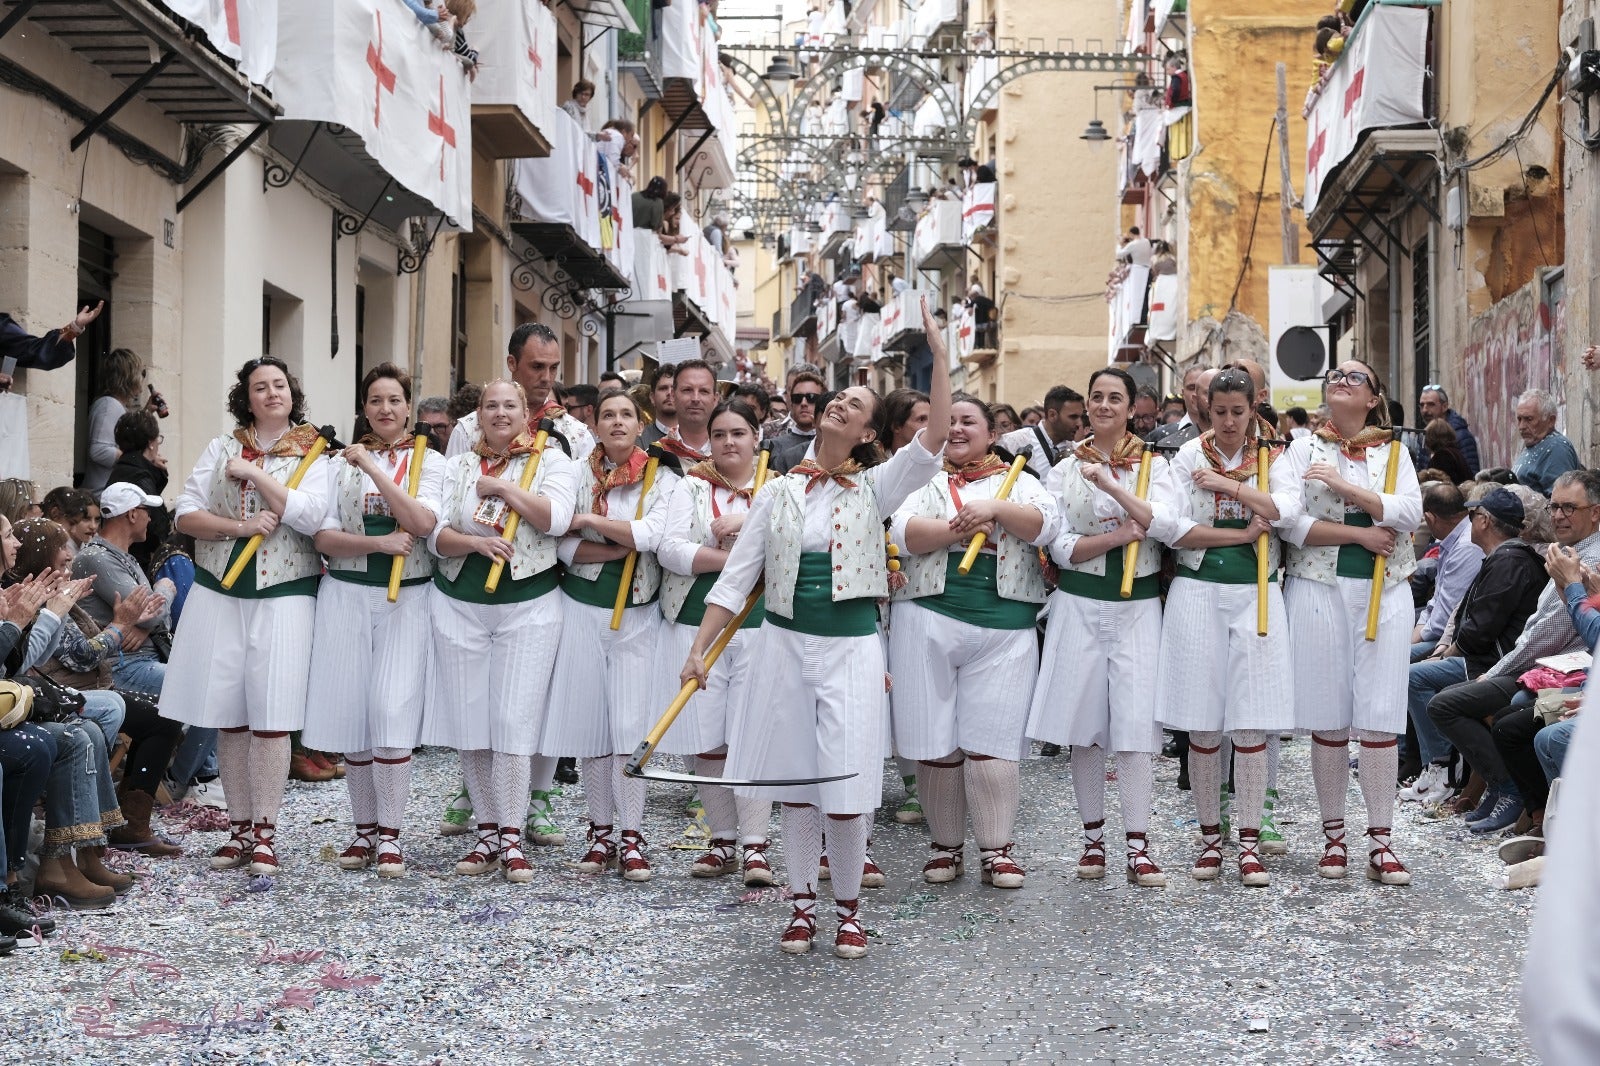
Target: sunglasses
805,397
1354,377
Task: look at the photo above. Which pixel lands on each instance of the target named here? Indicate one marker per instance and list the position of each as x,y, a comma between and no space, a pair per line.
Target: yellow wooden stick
976,545
419,450
647,746
625,590
1263,460
513,520
763,459
254,543
1381,565
1130,553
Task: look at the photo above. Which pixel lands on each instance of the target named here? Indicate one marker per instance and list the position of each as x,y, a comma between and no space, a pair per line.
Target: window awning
144,46
613,14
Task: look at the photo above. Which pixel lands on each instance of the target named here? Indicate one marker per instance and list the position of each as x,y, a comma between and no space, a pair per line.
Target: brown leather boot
60,880
90,862
138,835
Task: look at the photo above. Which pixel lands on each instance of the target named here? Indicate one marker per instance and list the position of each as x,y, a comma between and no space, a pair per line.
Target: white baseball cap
122,497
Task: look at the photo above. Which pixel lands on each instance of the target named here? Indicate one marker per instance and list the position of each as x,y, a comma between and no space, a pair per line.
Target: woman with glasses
1340,523
242,655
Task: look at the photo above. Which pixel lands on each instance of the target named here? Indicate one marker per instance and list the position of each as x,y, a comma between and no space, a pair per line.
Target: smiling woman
242,654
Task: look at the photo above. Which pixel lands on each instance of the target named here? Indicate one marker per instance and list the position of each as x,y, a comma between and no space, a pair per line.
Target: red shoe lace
944,858
1333,833
755,857
999,861
633,852
803,922
263,852
850,932
1389,865
1094,848
1210,849
239,841
389,848
1249,861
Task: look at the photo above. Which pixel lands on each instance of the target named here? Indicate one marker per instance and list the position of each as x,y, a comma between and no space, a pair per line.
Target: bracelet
70,332
110,628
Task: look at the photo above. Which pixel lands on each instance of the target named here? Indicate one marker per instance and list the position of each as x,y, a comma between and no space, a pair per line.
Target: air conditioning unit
1299,337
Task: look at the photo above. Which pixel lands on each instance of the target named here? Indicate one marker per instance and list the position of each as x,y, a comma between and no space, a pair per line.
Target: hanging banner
246,31
1376,84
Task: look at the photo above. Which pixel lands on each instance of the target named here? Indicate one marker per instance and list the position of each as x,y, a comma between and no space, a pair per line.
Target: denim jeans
196,756
1428,679
80,794
1550,744
1422,649
26,754
105,709
140,671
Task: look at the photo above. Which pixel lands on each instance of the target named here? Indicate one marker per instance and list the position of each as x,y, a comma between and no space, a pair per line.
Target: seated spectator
1545,454
1494,608
193,772
1444,512
1444,453
1533,759
1460,712
1497,475
80,801
76,511
82,660
17,500
116,575
1433,403
142,464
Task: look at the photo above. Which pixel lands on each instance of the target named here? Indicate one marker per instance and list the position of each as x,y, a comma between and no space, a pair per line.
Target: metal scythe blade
691,779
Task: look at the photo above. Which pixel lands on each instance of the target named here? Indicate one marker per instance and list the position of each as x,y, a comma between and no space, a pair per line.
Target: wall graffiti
1513,346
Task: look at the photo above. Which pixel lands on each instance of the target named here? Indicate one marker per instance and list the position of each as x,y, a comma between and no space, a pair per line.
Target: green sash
245,587
1232,565
815,610
378,563
975,597
602,591
693,611
1108,587
1354,560
468,585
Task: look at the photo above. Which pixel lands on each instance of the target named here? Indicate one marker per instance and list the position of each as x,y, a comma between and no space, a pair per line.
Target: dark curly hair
239,394
135,430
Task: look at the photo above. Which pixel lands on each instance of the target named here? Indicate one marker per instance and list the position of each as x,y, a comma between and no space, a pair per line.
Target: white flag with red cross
246,31
563,186
516,58
370,66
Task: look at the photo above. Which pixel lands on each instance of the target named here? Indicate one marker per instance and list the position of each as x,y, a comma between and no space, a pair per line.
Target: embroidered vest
1017,574
536,551
856,547
350,487
1203,509
285,555
1077,511
1321,564
647,571
675,587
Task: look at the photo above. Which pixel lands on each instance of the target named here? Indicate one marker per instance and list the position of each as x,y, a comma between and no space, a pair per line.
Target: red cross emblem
1318,146
383,75
535,58
437,124
661,282
700,270
230,11
1352,95
585,183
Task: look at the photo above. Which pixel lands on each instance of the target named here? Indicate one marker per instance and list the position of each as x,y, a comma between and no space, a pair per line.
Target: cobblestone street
205,967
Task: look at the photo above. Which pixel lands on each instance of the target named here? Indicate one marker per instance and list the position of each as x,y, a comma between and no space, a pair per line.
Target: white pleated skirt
957,685
369,668
1095,674
1216,673
1344,681
240,662
491,673
815,708
704,723
602,696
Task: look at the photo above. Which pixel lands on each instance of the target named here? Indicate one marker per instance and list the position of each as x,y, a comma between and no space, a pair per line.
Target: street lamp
1095,132
780,70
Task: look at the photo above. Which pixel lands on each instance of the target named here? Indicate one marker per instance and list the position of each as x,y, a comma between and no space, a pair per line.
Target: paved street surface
209,967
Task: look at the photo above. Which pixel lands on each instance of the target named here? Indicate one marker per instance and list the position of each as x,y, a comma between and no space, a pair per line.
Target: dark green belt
974,597
817,613
376,572
602,591
467,586
693,611
1354,560
245,587
1109,586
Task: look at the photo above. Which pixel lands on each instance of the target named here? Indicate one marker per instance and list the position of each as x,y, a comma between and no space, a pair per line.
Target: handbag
52,701
16,703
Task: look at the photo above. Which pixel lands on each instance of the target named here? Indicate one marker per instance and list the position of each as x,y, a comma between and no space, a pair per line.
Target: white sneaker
209,794
1429,786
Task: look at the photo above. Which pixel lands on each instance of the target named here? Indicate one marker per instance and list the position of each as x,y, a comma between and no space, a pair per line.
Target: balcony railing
1129,322
937,243
936,19
514,94
694,92
803,313
902,320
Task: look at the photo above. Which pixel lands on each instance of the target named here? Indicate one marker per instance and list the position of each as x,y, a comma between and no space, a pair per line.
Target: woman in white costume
818,534
601,701
963,650
494,652
369,668
1098,646
1217,675
704,516
241,657
1342,521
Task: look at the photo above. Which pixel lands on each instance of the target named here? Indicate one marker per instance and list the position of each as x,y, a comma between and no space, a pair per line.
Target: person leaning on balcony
671,222
578,105
1546,454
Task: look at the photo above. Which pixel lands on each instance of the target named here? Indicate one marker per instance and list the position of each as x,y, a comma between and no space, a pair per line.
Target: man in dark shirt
53,350
1493,612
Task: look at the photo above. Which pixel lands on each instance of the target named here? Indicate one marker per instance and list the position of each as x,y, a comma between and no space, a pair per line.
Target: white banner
371,67
1376,83
689,51
13,435
977,208
246,31
516,58
563,186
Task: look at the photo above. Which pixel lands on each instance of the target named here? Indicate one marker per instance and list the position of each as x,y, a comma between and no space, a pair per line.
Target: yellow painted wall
1235,46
